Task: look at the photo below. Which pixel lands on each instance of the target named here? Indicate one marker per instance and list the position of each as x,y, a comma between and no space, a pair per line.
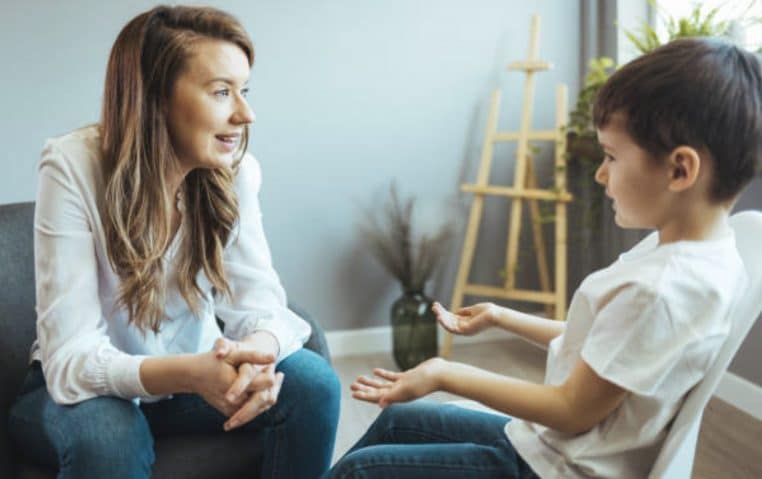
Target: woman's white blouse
84,341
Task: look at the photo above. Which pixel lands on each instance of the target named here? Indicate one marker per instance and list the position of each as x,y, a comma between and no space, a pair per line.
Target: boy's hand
466,321
393,387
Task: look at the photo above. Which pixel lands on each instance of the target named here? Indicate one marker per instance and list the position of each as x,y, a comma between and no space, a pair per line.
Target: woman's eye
222,93
244,92
609,157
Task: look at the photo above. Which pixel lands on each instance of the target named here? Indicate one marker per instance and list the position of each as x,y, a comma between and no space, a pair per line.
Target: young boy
682,131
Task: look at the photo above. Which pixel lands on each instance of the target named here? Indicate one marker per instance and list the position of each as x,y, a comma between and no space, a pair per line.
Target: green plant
580,119
698,23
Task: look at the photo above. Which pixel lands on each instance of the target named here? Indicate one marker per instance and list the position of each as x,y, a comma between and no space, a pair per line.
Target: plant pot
414,330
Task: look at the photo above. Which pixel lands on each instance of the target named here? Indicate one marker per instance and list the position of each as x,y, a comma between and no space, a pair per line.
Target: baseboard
741,393
733,389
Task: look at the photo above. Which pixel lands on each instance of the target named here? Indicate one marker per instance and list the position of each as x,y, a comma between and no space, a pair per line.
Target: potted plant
412,261
697,24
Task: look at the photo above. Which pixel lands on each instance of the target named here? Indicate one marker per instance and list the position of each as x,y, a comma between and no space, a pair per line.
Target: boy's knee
350,466
393,415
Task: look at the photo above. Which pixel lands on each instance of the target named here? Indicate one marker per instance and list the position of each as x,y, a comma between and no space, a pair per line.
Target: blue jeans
425,439
108,437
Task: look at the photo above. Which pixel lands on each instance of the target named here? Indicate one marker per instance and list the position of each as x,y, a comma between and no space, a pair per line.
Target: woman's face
208,111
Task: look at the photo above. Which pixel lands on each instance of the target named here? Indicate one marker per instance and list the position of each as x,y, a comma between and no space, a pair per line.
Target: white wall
349,94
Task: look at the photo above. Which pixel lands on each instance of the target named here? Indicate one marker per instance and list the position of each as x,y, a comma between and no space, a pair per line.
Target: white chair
675,461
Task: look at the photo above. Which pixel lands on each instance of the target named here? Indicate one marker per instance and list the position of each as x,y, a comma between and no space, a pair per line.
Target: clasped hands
390,387
238,381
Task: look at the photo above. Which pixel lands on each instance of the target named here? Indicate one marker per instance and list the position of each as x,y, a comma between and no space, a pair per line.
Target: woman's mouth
228,142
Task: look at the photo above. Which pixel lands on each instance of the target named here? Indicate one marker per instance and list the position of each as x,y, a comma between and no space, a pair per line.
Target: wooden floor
729,447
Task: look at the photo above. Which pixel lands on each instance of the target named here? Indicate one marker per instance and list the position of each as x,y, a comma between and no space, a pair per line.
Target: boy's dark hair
700,92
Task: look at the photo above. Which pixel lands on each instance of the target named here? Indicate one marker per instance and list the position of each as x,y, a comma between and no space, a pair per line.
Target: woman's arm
78,359
473,319
258,301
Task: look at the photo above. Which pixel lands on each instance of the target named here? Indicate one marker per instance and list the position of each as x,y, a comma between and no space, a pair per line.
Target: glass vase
414,330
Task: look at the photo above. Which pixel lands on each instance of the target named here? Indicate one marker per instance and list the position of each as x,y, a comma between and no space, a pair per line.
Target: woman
148,227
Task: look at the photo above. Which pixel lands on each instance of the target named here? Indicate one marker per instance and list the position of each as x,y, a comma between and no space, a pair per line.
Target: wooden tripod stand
524,189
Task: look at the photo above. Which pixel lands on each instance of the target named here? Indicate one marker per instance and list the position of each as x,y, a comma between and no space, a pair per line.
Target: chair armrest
317,341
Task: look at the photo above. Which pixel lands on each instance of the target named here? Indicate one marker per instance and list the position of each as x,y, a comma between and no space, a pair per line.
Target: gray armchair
187,457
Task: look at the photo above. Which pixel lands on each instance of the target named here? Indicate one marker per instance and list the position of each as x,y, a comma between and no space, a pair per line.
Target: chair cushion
189,457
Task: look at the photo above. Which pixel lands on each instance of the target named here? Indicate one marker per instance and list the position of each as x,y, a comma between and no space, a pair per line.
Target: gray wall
349,94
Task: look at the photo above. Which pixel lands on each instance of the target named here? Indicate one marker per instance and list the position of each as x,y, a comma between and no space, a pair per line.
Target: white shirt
652,323
84,341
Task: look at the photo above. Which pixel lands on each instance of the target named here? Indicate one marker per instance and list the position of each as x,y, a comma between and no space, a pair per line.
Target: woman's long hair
137,205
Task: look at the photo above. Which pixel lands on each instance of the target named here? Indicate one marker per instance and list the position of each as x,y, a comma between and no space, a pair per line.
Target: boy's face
637,184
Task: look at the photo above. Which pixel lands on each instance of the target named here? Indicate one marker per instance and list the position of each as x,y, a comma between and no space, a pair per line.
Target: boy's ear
684,167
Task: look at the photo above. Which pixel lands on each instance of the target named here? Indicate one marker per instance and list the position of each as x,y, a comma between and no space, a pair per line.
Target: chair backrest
676,457
17,316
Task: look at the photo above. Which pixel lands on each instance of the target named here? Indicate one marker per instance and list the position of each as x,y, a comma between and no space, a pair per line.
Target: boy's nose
602,173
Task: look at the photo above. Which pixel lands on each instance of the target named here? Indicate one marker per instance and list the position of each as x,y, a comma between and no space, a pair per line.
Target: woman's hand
467,321
212,378
256,388
393,387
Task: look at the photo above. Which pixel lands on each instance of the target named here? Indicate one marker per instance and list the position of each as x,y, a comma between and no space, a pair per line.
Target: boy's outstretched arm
574,407
474,319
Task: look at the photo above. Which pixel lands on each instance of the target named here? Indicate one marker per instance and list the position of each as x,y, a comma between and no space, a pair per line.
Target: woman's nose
243,114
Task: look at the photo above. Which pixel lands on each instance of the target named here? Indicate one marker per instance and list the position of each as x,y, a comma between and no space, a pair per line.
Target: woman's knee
110,430
310,379
310,395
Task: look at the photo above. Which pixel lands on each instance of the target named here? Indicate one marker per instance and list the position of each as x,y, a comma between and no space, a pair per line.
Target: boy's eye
222,93
608,157
244,92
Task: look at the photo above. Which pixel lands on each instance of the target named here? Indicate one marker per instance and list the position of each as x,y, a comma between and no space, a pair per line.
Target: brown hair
146,60
700,92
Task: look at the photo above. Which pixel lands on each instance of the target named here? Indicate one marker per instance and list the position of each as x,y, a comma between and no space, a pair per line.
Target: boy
681,128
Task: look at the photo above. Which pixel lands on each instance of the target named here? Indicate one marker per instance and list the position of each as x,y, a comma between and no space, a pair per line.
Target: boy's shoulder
674,272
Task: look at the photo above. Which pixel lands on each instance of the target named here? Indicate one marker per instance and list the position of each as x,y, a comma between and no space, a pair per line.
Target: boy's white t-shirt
652,323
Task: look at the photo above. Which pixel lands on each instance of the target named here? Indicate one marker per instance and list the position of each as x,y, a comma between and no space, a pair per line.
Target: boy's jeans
424,439
108,437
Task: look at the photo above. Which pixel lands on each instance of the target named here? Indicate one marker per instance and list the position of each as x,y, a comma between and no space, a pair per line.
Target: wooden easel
524,188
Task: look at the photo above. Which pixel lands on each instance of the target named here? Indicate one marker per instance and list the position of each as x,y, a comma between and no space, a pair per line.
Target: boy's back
652,323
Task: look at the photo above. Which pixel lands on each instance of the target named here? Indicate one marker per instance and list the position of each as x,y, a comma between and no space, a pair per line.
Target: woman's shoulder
248,176
73,160
78,149
84,139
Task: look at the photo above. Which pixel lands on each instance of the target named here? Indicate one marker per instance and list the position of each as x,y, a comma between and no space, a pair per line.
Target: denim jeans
108,437
425,439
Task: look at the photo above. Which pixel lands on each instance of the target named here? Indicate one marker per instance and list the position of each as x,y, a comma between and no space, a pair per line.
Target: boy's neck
698,223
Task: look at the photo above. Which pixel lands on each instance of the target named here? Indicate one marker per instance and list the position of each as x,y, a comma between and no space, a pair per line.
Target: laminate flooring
729,446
